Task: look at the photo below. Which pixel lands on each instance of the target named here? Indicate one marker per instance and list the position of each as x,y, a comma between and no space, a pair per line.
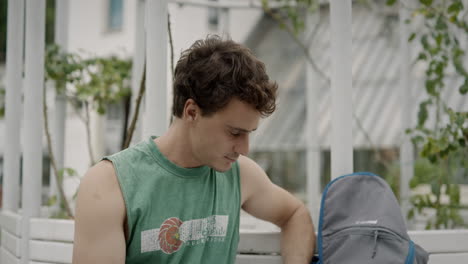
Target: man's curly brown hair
213,71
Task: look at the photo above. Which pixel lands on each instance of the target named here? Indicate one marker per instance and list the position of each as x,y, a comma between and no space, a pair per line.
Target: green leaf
435,188
60,175
52,200
455,193
440,24
411,37
70,171
463,88
425,43
428,225
460,120
413,183
432,158
423,113
391,2
426,2
455,7
431,87
410,214
462,142
422,56
418,139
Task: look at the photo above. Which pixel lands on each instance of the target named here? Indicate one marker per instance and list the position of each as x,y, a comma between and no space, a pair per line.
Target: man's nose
242,145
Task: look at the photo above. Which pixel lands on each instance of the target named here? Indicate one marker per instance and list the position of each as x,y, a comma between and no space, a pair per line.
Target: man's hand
263,199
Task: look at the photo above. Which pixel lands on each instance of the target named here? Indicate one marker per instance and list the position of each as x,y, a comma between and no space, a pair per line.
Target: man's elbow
300,215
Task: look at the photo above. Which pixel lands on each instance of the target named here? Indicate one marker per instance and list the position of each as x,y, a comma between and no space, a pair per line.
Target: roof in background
375,82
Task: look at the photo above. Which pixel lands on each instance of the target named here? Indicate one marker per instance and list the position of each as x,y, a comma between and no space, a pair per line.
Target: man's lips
230,159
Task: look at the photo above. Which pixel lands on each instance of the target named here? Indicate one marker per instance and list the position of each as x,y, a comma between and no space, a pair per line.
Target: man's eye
235,134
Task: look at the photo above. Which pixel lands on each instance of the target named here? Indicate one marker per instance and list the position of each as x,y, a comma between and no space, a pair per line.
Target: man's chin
222,168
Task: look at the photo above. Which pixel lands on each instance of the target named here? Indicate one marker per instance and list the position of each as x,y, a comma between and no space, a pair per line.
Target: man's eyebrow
241,129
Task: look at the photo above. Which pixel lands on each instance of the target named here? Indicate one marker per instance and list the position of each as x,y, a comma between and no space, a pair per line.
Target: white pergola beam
138,64
406,148
341,84
60,110
14,70
313,187
224,26
233,4
156,113
33,118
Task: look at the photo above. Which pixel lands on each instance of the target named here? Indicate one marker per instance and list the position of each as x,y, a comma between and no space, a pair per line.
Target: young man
177,198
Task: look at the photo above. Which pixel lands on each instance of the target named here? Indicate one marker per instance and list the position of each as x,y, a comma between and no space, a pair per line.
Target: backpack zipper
374,252
375,234
380,228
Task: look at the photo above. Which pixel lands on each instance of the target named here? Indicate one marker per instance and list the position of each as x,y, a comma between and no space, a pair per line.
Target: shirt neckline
172,167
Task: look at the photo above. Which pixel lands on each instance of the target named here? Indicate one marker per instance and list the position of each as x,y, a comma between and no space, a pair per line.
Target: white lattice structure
27,238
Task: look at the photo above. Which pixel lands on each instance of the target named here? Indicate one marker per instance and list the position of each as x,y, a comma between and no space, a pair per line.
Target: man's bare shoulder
99,219
103,175
100,190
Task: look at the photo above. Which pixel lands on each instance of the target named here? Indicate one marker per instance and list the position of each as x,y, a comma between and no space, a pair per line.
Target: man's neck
175,146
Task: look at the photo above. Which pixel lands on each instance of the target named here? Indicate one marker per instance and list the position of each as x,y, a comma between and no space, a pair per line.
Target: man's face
219,139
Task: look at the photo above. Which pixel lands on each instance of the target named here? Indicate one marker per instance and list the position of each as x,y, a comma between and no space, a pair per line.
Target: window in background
213,17
115,15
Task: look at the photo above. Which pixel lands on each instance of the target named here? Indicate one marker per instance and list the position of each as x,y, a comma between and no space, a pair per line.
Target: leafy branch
136,113
2,102
442,55
87,84
58,174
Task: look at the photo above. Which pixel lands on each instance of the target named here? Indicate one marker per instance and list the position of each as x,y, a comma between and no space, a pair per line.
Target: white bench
52,242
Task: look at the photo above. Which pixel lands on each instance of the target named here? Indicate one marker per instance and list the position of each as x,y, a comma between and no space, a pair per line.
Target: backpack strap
410,257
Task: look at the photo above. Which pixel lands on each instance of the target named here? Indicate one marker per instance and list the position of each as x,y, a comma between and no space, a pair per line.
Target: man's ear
191,110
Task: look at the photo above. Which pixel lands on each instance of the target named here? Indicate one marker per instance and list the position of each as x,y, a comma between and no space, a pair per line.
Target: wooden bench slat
52,229
257,259
47,251
8,258
452,258
441,241
449,258
11,243
11,222
445,246
259,242
433,241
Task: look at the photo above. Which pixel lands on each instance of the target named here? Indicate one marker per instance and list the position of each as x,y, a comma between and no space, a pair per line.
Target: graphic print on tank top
173,233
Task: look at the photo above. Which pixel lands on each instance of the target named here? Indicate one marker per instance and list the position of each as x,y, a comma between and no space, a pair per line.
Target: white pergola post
312,135
60,110
341,84
14,70
97,123
33,118
138,64
406,101
156,113
223,27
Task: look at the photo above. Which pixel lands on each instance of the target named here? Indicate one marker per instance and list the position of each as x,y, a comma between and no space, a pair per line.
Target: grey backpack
361,222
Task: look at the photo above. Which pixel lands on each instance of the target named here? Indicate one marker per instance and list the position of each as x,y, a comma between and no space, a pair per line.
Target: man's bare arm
263,199
99,220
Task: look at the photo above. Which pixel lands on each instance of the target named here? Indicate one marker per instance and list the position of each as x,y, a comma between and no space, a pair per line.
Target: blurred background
95,69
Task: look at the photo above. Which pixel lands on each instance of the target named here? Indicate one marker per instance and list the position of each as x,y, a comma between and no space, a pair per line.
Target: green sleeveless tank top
175,214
